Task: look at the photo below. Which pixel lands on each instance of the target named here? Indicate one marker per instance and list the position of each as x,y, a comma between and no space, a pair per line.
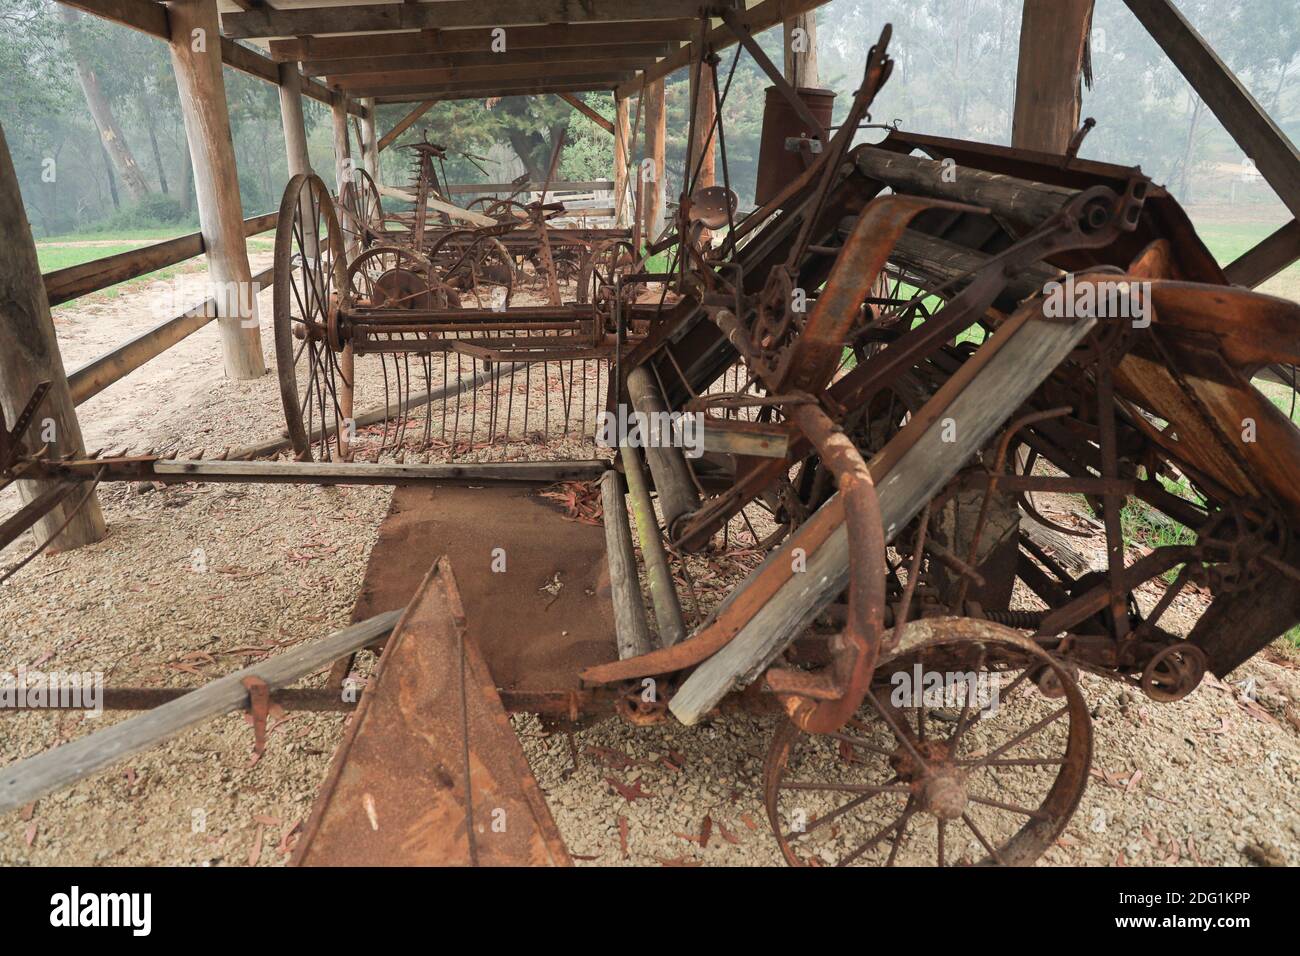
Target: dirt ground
197,580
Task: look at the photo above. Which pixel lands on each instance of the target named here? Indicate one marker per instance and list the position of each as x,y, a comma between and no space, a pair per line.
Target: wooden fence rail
63,285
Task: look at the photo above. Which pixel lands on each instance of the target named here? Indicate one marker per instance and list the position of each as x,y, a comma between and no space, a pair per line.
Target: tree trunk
157,154
112,180
102,113
522,143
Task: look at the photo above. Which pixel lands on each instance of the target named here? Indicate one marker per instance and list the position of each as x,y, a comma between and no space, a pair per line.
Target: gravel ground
198,580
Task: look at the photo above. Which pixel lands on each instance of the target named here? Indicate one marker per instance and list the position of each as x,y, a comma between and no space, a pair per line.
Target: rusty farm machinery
889,362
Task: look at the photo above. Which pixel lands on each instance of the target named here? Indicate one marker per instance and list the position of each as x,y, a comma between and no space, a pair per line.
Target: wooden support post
801,50
1053,35
195,40
30,355
370,140
705,141
655,131
672,475
342,176
295,129
622,143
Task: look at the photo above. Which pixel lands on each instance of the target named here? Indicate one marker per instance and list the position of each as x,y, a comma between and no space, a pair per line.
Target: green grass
1292,636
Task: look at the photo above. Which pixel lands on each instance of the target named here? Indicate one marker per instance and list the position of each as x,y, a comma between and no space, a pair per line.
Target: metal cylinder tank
777,165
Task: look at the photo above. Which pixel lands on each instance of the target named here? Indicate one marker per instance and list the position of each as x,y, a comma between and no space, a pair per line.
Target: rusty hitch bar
822,701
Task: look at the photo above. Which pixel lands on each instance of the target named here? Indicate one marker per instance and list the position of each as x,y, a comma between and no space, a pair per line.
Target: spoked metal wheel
314,367
928,774
603,264
363,214
394,277
476,264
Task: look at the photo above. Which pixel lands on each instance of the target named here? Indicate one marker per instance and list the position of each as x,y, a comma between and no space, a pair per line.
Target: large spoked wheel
363,212
602,266
939,776
314,368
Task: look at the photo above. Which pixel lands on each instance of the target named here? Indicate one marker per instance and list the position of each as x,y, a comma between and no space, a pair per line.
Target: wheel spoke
1023,735
1009,807
989,847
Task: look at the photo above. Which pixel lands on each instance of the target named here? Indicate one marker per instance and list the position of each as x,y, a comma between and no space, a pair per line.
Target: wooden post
370,148
1053,35
342,175
801,63
29,356
706,108
295,129
196,61
655,131
622,143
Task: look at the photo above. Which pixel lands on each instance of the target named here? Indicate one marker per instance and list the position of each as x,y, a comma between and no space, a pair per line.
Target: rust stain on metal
430,772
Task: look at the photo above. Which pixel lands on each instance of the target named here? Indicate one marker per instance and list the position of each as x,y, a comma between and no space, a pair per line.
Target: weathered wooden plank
449,14
25,780
1252,129
475,89
1267,258
342,473
978,410
478,76
63,285
587,111
631,631
635,54
480,40
437,205
96,375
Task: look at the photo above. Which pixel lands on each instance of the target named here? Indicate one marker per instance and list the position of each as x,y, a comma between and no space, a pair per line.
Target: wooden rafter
638,54
405,123
447,14
478,75
479,40
762,16
150,18
1273,254
477,88
586,86
587,111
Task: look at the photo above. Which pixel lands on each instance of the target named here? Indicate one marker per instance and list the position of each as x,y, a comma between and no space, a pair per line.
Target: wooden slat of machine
430,772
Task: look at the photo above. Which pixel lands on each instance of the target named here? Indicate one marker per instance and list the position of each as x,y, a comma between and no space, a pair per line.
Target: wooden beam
412,96
437,205
622,146
24,780
1053,35
477,88
587,111
704,144
800,66
636,54
72,282
96,375
405,123
762,16
370,140
291,119
478,75
150,18
631,632
553,37
202,90
1266,259
301,21
29,357
1252,129
655,136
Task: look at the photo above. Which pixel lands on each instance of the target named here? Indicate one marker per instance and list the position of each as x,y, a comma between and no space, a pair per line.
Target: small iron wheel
1173,672
936,777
